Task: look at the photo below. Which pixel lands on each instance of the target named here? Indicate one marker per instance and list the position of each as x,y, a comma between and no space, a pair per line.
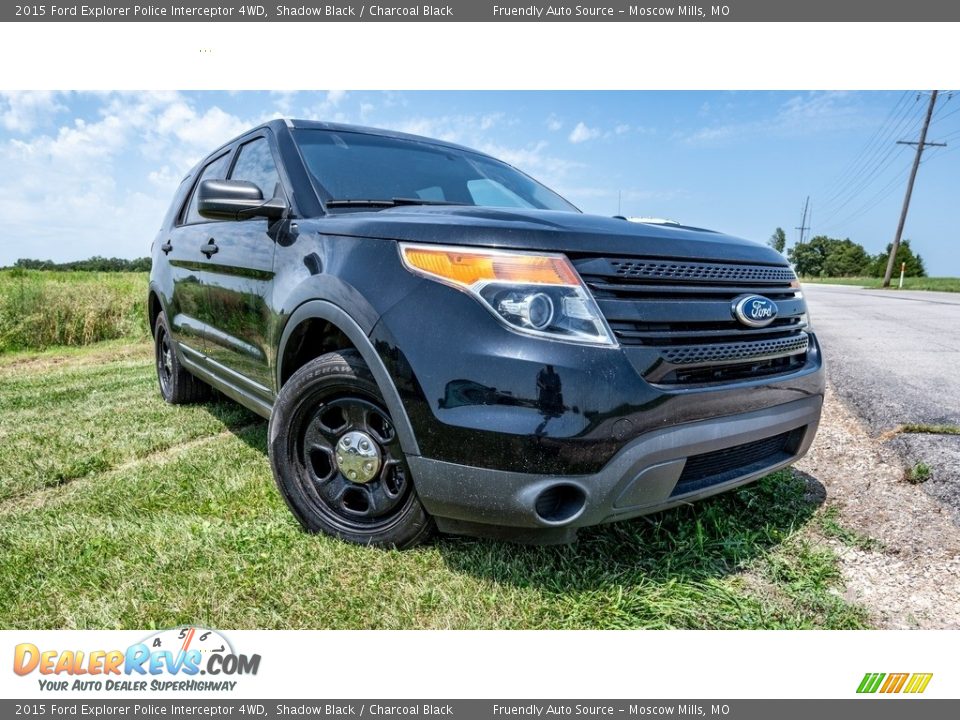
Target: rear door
182,247
238,275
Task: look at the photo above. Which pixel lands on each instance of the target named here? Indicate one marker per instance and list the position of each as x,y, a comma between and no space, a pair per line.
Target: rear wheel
337,458
177,386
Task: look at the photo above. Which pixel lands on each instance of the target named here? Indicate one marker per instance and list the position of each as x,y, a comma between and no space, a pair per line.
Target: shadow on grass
693,543
234,416
710,539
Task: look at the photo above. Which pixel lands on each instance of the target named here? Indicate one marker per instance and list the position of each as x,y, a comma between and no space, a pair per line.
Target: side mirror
235,200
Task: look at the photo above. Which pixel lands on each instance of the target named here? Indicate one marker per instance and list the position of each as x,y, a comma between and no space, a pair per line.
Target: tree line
824,256
96,263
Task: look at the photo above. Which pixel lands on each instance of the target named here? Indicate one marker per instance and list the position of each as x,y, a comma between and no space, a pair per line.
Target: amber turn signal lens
470,267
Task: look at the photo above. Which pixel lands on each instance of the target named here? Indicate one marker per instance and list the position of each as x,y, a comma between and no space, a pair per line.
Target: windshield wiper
391,202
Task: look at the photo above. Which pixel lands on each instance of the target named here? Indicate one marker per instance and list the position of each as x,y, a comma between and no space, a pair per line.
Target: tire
329,421
177,386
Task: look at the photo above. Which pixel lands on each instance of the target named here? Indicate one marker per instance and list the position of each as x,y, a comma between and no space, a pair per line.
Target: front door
238,272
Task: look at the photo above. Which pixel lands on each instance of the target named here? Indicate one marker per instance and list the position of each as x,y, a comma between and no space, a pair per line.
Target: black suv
439,340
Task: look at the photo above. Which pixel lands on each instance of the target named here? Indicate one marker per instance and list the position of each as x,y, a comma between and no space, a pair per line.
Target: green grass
831,527
118,511
41,309
917,474
942,284
927,428
60,421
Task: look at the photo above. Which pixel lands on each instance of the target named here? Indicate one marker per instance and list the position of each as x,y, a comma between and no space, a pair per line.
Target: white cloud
707,135
283,101
78,176
22,111
165,178
204,131
466,129
582,133
621,129
554,123
335,97
803,114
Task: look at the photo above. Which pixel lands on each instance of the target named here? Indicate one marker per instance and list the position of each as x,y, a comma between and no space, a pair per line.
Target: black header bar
484,11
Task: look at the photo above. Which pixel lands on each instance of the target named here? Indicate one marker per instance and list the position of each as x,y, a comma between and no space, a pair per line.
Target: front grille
719,466
697,271
707,354
682,313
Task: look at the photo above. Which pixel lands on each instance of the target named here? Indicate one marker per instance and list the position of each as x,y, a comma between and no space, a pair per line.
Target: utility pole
921,144
803,221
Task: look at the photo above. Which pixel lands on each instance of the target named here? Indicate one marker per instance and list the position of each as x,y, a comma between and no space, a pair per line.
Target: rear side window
215,170
255,164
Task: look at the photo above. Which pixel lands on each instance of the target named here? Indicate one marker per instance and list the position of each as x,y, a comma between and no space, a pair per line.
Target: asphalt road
894,356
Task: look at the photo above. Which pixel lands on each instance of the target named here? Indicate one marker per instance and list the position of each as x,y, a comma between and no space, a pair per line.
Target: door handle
209,249
166,247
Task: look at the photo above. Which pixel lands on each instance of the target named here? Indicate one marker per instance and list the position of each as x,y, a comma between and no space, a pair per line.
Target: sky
85,174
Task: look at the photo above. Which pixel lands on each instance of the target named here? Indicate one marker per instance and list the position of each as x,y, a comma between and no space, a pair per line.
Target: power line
952,112
875,200
892,185
853,163
887,162
940,152
867,155
875,165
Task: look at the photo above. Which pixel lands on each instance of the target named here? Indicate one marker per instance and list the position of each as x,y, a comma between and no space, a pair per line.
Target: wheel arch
154,306
324,311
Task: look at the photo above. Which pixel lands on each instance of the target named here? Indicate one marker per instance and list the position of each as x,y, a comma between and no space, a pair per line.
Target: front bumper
650,474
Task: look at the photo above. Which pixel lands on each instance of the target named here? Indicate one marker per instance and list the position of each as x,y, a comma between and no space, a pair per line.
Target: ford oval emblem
754,310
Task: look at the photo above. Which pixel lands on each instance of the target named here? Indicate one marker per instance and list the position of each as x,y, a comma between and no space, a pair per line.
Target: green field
942,284
44,308
118,511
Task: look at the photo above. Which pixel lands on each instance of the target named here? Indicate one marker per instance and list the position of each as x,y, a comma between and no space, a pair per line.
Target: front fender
329,312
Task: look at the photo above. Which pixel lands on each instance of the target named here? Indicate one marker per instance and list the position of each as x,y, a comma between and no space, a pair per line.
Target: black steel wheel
337,458
177,386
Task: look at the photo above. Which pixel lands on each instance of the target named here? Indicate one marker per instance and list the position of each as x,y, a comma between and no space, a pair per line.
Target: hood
572,233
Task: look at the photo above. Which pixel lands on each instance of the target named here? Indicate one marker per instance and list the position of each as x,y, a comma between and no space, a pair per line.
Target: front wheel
337,458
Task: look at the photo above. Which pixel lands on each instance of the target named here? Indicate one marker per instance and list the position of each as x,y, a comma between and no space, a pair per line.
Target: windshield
357,166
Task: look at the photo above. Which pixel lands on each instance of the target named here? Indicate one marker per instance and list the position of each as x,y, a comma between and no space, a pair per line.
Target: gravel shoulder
893,356
901,555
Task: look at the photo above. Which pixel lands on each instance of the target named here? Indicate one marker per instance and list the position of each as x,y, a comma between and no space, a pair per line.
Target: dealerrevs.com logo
181,659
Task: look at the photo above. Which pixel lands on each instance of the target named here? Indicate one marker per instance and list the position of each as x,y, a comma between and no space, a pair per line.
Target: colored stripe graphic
894,683
870,682
918,683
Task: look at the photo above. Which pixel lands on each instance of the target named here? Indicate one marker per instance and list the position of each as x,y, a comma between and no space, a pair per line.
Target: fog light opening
560,503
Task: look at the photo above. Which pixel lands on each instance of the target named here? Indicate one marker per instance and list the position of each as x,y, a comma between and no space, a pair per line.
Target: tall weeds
40,309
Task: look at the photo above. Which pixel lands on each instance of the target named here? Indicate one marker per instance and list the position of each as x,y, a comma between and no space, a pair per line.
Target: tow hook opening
560,504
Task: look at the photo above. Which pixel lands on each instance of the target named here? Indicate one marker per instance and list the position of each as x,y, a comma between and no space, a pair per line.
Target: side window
216,170
255,164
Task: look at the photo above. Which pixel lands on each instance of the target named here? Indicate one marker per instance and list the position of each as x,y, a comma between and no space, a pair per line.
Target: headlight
538,294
